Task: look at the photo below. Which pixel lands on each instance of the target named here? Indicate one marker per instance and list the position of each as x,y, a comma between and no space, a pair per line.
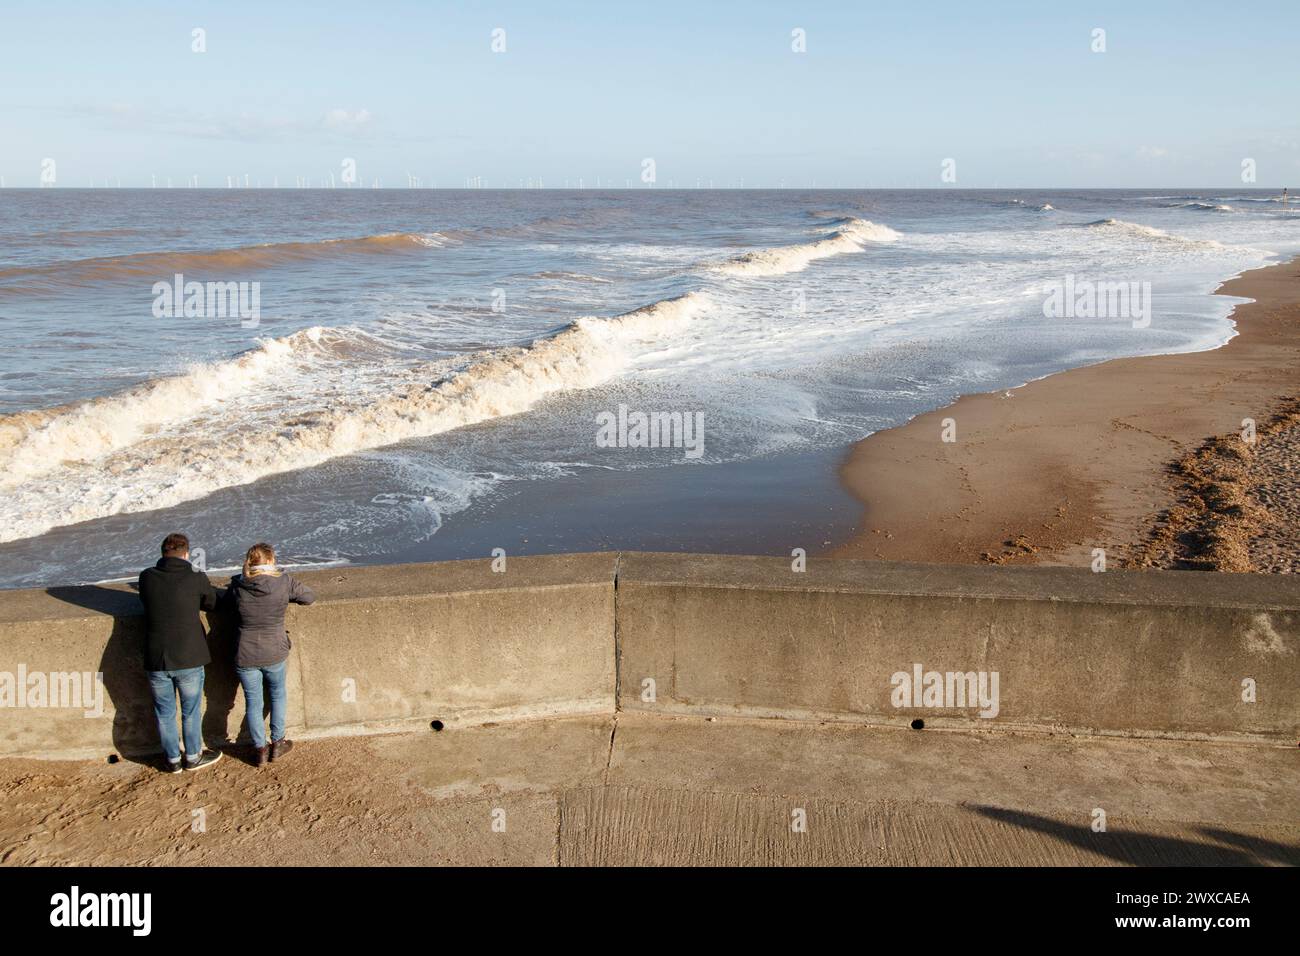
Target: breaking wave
1203,206
570,277
1036,207
1291,200
851,236
1121,227
36,442
108,456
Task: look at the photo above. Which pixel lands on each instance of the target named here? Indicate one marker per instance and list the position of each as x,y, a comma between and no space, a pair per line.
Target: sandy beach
1142,457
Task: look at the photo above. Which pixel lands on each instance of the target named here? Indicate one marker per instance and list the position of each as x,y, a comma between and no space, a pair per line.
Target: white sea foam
1202,206
1040,207
106,462
1277,199
850,237
1121,227
571,277
33,443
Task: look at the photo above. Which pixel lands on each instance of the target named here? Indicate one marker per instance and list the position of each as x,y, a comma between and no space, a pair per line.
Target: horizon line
583,189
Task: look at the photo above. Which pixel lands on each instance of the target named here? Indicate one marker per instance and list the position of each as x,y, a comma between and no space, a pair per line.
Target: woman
260,596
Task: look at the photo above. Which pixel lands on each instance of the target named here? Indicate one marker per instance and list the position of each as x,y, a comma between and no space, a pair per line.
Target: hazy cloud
242,127
343,121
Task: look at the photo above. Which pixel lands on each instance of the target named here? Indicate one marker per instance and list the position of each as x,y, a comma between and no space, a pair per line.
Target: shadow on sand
1143,849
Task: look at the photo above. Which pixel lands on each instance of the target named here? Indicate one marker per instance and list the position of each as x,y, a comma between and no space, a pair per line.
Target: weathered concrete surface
1121,652
385,648
458,642
644,789
453,642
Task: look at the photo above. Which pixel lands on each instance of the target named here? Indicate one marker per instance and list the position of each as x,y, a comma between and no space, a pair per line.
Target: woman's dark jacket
259,602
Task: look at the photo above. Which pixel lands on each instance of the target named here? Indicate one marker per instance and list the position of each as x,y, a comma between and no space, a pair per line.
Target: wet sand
766,506
1105,457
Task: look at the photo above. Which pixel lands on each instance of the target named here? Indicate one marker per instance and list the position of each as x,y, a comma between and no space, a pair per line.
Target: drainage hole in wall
918,724
436,724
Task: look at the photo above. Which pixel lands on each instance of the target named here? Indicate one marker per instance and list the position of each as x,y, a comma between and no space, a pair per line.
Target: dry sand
647,790
1142,457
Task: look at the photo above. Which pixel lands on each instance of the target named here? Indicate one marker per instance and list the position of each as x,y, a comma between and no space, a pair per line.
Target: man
176,650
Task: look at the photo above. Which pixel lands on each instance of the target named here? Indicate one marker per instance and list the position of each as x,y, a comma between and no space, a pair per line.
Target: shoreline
1085,458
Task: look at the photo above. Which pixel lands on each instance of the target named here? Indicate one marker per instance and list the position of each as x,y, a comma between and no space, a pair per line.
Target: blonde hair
260,560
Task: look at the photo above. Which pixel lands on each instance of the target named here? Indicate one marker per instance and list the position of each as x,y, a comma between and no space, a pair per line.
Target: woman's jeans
165,684
251,678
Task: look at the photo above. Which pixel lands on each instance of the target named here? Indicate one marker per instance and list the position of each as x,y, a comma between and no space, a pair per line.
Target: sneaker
205,759
168,766
281,747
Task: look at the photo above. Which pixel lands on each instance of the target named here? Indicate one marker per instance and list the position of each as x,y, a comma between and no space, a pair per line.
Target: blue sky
712,92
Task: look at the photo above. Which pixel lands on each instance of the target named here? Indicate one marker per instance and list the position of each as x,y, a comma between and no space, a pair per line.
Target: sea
371,376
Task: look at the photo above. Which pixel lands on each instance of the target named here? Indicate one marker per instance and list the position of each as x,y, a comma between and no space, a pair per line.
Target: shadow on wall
1145,849
135,729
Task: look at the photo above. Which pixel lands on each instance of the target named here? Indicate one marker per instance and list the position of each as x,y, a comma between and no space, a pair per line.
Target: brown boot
260,756
280,747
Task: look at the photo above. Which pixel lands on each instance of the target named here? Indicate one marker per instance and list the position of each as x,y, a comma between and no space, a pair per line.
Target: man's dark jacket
173,594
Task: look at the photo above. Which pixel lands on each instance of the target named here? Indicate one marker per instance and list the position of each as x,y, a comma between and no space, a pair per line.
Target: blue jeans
251,678
165,684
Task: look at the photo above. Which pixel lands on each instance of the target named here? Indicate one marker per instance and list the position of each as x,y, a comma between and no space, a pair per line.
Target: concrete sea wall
1053,650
